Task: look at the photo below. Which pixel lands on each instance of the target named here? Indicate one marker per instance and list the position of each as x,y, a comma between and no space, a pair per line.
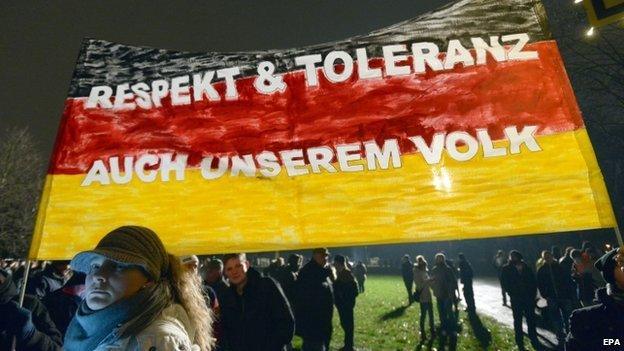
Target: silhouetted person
408,276
345,293
51,278
359,271
556,252
456,294
423,290
29,325
212,276
500,260
63,303
444,287
294,263
553,286
566,262
286,278
273,267
591,326
586,276
213,281
465,277
519,281
315,302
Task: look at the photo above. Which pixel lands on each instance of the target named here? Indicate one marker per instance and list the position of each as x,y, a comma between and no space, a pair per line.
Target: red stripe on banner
492,96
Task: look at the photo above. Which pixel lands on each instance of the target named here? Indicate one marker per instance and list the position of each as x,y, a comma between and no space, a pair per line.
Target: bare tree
20,186
596,66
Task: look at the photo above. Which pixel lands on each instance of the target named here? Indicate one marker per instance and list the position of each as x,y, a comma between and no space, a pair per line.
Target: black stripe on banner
106,63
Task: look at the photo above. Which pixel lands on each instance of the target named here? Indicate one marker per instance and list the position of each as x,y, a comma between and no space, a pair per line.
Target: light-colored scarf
127,317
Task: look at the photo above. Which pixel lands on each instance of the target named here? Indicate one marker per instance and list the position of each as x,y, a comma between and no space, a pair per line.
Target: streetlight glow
590,32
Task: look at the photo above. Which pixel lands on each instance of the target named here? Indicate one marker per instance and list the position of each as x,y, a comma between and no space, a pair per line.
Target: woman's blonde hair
187,290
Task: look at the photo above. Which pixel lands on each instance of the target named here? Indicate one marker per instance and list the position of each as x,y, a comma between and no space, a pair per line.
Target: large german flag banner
458,124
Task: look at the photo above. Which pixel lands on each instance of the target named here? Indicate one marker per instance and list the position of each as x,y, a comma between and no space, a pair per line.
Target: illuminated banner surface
457,124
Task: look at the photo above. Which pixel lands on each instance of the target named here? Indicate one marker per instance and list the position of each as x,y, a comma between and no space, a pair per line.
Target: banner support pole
24,283
618,235
21,298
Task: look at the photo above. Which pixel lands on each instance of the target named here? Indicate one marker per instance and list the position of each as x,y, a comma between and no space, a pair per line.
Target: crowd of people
129,293
573,291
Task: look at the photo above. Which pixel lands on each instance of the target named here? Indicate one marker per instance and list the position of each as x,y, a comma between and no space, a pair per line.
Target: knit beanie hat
128,245
606,265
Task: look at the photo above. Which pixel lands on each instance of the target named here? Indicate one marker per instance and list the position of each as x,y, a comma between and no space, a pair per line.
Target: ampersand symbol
266,82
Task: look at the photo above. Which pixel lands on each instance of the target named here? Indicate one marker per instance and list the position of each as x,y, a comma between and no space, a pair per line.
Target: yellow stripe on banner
557,189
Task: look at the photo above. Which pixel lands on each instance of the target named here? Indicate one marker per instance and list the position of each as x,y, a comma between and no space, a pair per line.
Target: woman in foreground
135,298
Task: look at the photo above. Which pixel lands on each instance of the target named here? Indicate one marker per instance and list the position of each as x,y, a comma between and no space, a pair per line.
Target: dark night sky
40,40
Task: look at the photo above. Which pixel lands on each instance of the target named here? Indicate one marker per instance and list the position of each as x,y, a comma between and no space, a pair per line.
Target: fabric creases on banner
458,124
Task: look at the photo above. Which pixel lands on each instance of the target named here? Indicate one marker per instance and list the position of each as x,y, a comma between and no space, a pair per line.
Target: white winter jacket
172,331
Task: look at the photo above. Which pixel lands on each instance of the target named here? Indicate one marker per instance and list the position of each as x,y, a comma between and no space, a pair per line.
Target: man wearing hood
30,325
255,314
592,326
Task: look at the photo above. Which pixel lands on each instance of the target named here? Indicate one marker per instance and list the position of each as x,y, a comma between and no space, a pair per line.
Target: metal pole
618,235
21,298
24,283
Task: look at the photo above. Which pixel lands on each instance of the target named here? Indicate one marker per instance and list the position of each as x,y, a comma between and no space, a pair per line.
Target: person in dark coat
315,302
63,303
583,277
30,325
456,294
465,277
566,262
407,268
50,279
214,284
591,326
444,287
519,281
556,252
359,271
499,261
255,314
273,267
552,282
345,293
286,279
294,263
212,276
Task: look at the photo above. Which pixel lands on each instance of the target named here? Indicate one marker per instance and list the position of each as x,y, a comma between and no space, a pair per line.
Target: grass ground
384,322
